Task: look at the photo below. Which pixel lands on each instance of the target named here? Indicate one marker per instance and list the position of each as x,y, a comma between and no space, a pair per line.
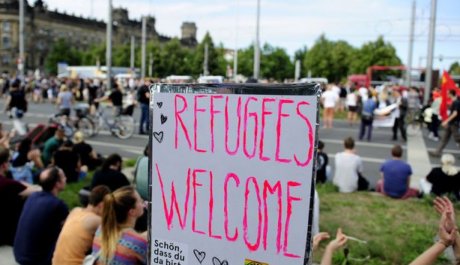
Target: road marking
417,157
364,159
359,143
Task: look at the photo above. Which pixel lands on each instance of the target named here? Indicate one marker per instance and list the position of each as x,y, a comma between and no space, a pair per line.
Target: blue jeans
144,118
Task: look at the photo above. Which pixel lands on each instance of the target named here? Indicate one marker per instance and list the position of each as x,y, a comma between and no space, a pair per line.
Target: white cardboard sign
231,178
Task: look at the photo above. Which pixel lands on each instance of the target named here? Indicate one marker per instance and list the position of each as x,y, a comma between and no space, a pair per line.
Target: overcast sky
292,24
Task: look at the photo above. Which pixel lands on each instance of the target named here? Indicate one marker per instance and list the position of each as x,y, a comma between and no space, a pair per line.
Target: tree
121,55
329,59
174,58
198,60
93,54
454,69
275,63
246,61
375,53
61,52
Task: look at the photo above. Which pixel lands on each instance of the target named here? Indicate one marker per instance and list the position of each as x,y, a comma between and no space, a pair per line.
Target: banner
232,175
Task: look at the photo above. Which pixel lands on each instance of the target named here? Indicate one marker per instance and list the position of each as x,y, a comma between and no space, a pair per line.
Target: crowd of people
110,229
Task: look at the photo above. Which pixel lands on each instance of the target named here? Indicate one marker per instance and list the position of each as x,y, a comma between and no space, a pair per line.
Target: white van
322,80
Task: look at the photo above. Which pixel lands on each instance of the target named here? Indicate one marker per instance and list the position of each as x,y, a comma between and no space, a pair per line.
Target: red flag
446,84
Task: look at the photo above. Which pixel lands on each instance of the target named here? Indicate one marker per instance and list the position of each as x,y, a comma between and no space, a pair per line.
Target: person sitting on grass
21,166
323,169
348,169
116,241
69,161
77,235
52,145
41,220
443,180
88,155
395,176
110,174
12,194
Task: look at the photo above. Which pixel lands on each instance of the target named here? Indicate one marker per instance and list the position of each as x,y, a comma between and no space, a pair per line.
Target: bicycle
122,126
81,123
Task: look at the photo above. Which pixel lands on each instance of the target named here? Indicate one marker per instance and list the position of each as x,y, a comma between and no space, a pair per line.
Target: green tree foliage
198,60
94,53
329,59
121,55
378,52
246,61
454,69
62,52
275,63
175,59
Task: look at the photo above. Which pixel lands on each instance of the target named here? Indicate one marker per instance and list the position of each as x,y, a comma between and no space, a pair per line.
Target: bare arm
91,223
29,190
430,255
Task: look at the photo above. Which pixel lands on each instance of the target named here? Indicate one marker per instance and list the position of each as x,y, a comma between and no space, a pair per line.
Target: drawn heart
160,104
200,255
163,119
158,136
216,261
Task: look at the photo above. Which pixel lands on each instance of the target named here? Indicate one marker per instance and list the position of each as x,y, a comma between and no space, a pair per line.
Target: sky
292,24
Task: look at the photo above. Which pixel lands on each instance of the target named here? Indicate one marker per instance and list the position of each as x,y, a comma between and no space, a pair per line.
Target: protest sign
232,174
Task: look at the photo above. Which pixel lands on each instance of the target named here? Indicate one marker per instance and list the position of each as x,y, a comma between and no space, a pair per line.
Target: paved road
373,153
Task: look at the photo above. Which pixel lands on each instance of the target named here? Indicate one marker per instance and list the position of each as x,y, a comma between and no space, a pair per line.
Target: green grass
70,194
397,231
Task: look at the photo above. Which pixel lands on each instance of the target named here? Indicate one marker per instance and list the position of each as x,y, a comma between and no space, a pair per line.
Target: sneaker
435,139
430,135
434,154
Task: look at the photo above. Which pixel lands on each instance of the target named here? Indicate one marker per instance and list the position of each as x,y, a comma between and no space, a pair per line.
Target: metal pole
21,61
429,73
235,53
411,46
256,45
133,69
108,58
150,64
297,70
144,46
205,64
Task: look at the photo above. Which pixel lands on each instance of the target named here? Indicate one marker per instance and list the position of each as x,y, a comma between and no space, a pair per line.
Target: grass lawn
70,194
397,231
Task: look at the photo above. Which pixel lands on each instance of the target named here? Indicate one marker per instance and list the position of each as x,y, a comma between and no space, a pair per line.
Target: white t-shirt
330,99
351,99
363,93
347,167
336,89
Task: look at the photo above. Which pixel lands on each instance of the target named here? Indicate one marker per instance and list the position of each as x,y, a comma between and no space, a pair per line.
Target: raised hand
444,205
318,238
339,241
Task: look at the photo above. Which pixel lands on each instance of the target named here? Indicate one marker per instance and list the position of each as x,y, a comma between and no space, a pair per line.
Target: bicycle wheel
86,126
97,123
123,127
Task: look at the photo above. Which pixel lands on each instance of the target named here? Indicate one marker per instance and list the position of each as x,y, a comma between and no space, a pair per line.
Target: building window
5,60
6,42
6,27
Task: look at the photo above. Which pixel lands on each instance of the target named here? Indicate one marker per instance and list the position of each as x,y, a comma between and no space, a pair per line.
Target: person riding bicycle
116,97
64,101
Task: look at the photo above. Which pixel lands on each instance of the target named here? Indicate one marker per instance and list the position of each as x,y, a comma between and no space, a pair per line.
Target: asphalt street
373,153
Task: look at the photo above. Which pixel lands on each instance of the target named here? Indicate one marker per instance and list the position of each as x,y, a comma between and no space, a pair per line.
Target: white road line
365,159
417,157
359,143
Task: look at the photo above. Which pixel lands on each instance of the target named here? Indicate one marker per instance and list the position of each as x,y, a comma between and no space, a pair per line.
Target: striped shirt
131,248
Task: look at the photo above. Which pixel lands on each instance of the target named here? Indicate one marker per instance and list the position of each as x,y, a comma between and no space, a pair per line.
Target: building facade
43,27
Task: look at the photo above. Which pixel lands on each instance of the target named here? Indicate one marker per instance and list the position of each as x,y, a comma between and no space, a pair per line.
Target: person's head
60,133
121,207
114,160
396,93
79,137
397,151
15,85
53,180
349,143
25,146
448,165
320,146
452,94
96,198
67,145
64,88
4,159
